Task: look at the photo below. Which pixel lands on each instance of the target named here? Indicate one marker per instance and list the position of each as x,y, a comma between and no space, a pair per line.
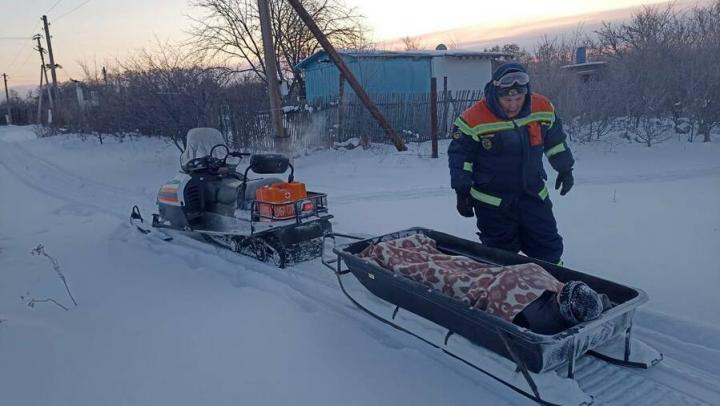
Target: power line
19,52
56,19
21,38
23,62
14,59
53,6
66,75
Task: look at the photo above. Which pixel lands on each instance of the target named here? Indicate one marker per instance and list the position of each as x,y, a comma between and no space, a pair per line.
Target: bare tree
230,31
164,91
702,76
452,42
411,43
519,54
653,57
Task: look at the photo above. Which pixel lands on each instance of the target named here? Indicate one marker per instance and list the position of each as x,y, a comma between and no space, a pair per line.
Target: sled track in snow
614,385
54,181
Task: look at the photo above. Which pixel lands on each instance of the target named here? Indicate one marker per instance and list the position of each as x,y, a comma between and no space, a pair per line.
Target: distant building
583,69
382,72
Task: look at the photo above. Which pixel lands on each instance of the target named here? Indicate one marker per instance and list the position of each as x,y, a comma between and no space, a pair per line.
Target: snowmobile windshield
200,142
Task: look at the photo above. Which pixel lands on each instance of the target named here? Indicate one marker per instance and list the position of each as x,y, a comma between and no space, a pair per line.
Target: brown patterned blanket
503,291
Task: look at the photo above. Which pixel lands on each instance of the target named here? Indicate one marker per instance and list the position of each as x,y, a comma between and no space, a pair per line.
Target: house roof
453,53
585,65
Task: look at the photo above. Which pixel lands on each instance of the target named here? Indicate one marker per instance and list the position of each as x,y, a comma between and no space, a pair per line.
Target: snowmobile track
614,385
56,182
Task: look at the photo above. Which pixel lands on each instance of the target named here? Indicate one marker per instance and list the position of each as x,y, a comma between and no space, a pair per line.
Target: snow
185,323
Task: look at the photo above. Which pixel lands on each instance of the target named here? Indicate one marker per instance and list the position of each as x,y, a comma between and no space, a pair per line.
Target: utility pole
41,50
50,55
271,76
40,97
43,71
345,71
7,100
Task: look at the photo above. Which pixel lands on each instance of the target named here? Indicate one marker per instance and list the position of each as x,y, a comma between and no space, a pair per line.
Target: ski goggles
512,79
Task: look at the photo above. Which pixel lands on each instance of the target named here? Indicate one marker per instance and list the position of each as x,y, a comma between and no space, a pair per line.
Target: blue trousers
523,223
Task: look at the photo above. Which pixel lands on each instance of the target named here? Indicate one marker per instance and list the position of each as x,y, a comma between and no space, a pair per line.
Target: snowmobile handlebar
228,153
210,162
240,154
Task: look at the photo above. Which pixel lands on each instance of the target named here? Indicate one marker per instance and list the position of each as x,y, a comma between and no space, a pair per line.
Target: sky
95,32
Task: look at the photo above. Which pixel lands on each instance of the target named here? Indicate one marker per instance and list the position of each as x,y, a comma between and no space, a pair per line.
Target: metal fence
408,114
325,121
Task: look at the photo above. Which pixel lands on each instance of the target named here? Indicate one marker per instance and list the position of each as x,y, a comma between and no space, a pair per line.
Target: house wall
376,74
321,79
463,73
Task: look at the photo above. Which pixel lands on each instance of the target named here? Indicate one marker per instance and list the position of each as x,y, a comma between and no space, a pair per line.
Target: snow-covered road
186,323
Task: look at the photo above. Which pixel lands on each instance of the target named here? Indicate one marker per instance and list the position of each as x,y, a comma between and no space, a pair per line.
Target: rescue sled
478,338
261,216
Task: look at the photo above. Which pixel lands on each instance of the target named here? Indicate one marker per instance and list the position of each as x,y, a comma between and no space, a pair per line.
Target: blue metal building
383,72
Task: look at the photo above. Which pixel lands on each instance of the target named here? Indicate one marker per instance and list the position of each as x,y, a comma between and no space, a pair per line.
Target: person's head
512,103
578,302
509,86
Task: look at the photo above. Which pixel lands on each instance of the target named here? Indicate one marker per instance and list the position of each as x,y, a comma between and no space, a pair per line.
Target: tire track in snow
52,180
614,385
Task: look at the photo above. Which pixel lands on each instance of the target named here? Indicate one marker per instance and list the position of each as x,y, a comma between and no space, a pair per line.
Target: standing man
496,165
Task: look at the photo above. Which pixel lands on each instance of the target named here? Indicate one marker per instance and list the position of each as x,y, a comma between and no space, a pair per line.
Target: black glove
566,180
465,204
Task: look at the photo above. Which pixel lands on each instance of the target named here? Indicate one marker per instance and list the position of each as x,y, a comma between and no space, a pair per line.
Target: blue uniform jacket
495,158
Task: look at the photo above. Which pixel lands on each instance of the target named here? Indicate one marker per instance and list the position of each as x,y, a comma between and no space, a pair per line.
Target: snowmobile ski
135,216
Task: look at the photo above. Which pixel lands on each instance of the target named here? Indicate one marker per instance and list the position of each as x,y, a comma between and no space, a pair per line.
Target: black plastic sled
607,338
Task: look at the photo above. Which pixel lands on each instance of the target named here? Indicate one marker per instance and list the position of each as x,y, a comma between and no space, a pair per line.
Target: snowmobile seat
269,163
228,191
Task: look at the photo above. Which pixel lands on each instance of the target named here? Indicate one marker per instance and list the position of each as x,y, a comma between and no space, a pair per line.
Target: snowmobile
267,218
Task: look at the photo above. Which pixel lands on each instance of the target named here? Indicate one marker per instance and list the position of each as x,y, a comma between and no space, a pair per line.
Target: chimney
580,55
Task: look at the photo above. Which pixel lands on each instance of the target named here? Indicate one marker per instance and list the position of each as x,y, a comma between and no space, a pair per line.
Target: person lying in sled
524,294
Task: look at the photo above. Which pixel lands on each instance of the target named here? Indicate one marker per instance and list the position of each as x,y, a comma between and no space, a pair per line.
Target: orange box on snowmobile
276,202
296,189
